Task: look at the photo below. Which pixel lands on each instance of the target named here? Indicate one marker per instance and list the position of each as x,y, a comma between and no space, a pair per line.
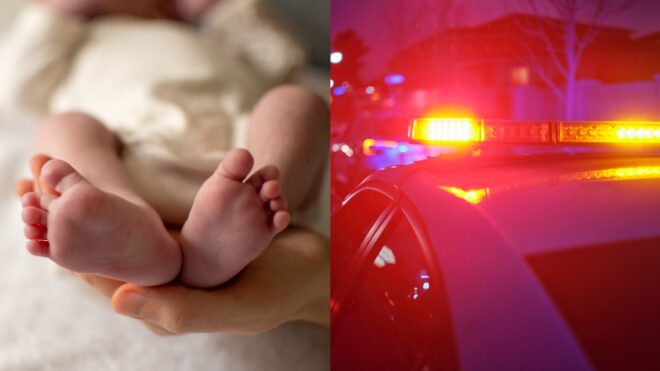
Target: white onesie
177,96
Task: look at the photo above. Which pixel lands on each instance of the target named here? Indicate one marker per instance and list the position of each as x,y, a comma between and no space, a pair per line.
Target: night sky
366,17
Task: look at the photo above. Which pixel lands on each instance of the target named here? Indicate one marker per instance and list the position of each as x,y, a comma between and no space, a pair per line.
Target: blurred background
9,9
393,60
311,18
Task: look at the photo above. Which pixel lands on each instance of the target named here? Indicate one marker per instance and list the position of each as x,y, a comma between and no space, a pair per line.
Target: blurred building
495,70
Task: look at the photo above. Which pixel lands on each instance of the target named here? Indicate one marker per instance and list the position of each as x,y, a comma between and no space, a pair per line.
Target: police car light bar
468,130
446,130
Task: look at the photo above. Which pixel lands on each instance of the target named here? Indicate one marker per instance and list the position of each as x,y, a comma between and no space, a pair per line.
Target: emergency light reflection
476,196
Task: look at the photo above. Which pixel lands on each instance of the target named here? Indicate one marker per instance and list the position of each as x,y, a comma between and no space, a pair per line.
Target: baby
144,101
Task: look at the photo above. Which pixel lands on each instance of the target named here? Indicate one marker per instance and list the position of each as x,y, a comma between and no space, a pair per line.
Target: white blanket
50,320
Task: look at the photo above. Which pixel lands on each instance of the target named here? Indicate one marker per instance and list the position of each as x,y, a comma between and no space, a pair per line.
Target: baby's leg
290,128
94,222
90,148
234,215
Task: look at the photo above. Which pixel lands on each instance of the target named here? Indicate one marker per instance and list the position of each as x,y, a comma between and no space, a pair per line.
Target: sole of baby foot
233,219
87,230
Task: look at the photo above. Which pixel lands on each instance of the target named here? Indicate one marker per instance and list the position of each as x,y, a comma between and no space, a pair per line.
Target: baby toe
35,232
281,220
34,215
31,199
37,200
270,190
59,175
236,165
278,204
266,173
37,248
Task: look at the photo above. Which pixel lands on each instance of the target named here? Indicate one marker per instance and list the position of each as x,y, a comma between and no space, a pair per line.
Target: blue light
425,286
403,148
339,90
394,79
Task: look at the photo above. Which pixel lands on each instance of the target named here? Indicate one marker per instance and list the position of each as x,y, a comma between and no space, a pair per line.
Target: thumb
177,309
37,162
23,186
165,306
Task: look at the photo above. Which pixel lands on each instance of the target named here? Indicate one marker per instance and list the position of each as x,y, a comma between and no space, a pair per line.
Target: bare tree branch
541,71
579,23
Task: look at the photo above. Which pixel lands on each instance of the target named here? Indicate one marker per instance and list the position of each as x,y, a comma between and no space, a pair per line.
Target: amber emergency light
467,130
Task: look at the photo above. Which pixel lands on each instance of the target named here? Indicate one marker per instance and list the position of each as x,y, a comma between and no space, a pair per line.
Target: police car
536,246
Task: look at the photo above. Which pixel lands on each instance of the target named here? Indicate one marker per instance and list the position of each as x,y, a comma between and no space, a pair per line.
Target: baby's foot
232,220
87,230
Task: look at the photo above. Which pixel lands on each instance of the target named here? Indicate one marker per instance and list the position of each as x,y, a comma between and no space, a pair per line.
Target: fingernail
131,304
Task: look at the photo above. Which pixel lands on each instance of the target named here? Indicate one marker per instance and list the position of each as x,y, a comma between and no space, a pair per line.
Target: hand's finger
36,163
158,330
23,186
273,289
107,286
165,306
177,309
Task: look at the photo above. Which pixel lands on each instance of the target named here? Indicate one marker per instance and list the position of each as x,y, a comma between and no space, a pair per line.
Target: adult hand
288,282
